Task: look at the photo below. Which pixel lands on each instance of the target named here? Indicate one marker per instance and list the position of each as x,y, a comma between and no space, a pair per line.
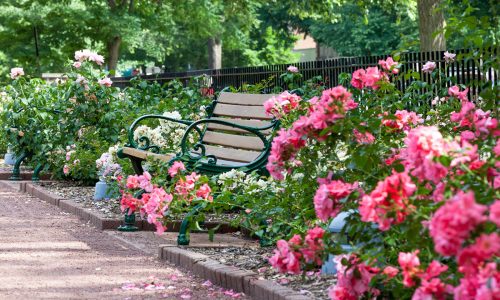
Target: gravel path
48,254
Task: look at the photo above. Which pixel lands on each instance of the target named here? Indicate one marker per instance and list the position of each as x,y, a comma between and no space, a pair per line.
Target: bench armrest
132,143
199,146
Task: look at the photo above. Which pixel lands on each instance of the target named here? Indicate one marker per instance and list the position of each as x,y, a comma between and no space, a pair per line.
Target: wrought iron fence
471,68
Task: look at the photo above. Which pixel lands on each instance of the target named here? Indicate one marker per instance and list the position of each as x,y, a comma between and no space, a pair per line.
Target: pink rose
429,67
495,212
16,72
66,169
390,271
454,91
452,223
449,57
357,80
204,192
292,69
105,82
77,64
389,65
175,168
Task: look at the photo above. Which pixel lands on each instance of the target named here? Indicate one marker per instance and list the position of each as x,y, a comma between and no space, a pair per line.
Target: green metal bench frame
196,156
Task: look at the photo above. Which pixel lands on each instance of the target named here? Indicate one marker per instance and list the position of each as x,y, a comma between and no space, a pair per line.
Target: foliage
83,112
420,197
352,34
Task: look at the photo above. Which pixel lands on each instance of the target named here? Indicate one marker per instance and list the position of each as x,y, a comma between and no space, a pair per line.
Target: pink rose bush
323,112
141,194
430,186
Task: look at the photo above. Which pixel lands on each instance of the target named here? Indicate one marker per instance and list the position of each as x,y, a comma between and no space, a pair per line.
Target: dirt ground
48,254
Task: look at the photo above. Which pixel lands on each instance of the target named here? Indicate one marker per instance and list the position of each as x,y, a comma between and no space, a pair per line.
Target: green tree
366,31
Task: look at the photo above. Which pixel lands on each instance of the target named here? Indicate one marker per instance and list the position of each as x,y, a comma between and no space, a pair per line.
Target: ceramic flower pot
101,190
10,158
329,266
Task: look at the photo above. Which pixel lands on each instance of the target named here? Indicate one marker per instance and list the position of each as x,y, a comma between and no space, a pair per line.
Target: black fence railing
470,68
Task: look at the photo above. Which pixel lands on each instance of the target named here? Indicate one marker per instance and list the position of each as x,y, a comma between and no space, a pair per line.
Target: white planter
329,266
101,190
10,158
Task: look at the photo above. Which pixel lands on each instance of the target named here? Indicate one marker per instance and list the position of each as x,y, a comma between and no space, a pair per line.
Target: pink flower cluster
363,137
327,198
353,279
388,203
153,202
453,222
484,284
323,112
454,91
292,69
403,120
431,287
423,144
175,168
476,119
105,82
83,55
362,78
281,105
16,72
389,65
484,248
289,255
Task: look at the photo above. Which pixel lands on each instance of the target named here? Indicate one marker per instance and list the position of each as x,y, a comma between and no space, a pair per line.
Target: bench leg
129,223
183,237
16,172
137,165
36,172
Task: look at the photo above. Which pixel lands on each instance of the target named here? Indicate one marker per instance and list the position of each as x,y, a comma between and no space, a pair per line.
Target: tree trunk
113,53
431,20
214,53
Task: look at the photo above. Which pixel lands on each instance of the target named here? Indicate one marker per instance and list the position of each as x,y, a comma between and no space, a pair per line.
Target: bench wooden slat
237,155
145,154
251,123
244,99
238,111
232,140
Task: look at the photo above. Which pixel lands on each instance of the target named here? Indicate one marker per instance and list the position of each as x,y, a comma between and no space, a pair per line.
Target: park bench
237,134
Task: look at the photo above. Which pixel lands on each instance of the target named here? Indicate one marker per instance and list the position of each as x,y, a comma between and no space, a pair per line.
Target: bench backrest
235,147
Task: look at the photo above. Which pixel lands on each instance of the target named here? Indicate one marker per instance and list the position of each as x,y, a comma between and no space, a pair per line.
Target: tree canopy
41,35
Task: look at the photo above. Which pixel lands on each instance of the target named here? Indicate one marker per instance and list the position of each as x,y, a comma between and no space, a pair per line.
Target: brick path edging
25,175
229,277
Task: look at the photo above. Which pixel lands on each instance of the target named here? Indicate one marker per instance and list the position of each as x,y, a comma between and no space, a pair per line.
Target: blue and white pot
329,266
101,190
10,158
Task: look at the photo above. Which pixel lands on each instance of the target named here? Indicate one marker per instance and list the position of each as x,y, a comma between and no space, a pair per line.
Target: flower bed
311,284
110,208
